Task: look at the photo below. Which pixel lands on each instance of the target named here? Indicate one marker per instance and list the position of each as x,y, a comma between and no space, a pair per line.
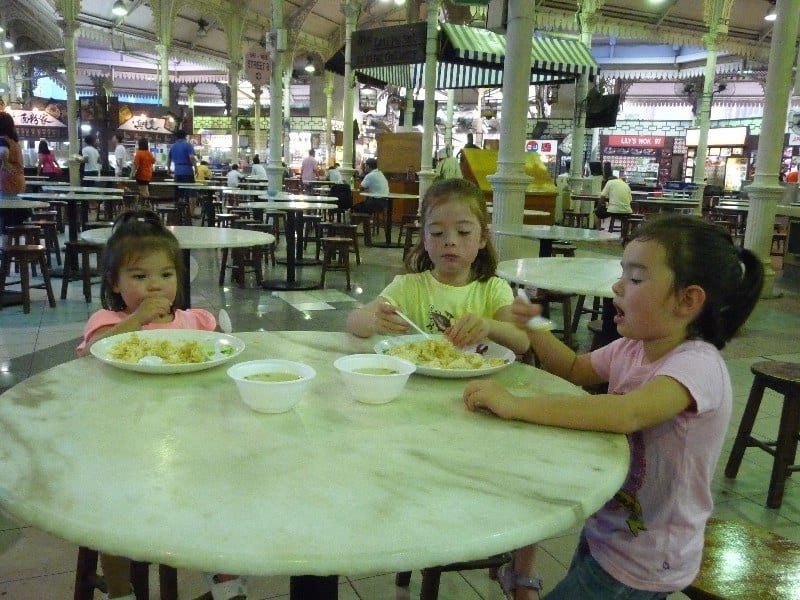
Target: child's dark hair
446,190
701,253
142,144
135,234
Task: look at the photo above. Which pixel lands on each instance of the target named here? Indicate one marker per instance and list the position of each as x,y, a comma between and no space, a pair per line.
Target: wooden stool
406,220
84,250
629,227
311,229
277,219
268,250
784,378
562,248
87,579
364,219
50,234
60,207
573,218
616,221
26,257
346,230
778,247
224,219
766,564
595,311
242,259
168,214
411,229
431,576
335,257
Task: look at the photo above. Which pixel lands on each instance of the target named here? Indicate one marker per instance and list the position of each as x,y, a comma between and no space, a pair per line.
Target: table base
298,284
302,262
308,587
385,245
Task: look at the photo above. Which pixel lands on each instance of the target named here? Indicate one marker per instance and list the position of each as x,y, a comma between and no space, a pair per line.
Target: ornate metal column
510,181
716,14
330,147
448,127
234,29
277,46
257,119
351,10
427,173
190,94
286,90
587,16
69,10
164,12
765,191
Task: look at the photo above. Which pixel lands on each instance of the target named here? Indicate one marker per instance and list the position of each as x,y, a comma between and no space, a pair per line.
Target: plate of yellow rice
164,351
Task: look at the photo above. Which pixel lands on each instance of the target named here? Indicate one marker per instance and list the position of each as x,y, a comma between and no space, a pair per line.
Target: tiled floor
37,566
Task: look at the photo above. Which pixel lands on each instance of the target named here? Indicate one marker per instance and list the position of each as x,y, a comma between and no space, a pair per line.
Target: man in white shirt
120,156
334,174
374,182
234,176
308,171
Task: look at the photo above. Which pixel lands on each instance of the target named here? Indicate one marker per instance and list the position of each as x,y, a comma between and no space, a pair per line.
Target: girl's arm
472,329
148,311
656,401
377,316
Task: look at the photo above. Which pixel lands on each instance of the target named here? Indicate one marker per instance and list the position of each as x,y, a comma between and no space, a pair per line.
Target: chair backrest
344,196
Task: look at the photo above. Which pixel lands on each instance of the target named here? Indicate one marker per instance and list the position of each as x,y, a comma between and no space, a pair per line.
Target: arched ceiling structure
633,40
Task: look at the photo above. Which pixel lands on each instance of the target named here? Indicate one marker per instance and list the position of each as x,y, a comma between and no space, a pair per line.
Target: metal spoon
224,321
414,325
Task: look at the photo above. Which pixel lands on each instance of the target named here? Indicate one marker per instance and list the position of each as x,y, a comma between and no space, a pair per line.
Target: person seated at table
334,174
203,172
615,199
257,169
451,287
684,291
234,176
374,182
142,278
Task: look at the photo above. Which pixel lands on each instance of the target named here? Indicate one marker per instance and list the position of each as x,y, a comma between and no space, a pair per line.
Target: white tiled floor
37,566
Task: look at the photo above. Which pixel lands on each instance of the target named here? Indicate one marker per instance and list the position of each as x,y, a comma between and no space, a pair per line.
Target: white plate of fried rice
178,350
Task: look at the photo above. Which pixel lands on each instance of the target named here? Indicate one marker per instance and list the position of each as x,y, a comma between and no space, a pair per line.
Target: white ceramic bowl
271,396
374,388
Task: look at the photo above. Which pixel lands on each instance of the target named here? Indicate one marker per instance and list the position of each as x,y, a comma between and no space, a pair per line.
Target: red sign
637,141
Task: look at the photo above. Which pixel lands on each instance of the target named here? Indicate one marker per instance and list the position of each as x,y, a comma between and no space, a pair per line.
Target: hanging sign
638,141
257,66
144,124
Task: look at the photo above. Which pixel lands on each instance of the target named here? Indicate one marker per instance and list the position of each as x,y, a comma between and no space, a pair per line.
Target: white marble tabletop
528,212
175,469
290,205
666,201
585,276
72,196
191,237
16,203
287,197
555,232
228,191
46,182
394,195
82,189
110,179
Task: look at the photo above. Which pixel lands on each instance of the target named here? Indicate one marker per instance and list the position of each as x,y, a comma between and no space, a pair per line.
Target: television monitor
601,110
595,168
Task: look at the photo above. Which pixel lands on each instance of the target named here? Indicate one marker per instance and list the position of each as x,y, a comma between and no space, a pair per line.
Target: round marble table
583,276
21,204
190,237
547,234
175,469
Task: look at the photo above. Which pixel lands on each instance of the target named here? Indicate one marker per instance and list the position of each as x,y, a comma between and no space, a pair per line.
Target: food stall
727,159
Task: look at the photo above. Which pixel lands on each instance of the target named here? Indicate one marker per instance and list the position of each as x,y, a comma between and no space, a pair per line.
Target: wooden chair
242,261
335,257
49,230
784,378
346,230
365,220
87,579
574,218
411,230
765,565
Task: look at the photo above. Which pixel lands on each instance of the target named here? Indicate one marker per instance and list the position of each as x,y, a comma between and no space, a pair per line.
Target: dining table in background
387,228
547,234
590,277
294,240
664,204
176,470
40,183
193,238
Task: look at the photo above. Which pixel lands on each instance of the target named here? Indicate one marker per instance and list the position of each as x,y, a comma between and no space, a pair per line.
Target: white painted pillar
448,125
427,173
277,43
350,9
765,191
510,181
257,125
704,118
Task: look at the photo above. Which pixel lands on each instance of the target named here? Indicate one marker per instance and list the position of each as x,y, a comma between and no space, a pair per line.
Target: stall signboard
397,45
794,139
543,147
38,124
257,66
721,136
146,125
639,141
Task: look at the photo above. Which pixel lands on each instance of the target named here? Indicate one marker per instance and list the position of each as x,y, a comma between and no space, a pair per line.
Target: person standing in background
308,171
120,156
143,162
12,172
181,154
47,164
91,160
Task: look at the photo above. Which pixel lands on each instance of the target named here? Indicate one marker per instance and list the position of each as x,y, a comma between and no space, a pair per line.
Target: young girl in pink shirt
685,290
142,283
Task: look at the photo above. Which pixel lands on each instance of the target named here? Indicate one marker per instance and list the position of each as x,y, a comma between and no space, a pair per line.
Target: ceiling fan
203,27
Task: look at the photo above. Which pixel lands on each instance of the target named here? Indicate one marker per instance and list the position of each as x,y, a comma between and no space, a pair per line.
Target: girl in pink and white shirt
685,290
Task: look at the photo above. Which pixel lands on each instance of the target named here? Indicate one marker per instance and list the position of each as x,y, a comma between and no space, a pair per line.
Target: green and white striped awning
470,57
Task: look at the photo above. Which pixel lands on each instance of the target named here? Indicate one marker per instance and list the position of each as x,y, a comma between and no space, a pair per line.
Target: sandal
510,580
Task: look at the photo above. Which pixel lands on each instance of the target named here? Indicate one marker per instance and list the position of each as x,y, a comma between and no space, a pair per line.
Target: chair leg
86,578
51,299
140,580
430,584
66,274
86,276
3,274
402,579
223,266
25,281
742,439
785,450
168,582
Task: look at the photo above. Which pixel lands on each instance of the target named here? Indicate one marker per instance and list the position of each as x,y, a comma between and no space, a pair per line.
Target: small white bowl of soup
271,385
374,378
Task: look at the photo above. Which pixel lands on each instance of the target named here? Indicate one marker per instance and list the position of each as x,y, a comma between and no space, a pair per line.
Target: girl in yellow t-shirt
451,287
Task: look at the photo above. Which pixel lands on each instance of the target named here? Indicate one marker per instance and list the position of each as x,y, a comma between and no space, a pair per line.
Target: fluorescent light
8,44
61,69
771,15
119,9
16,57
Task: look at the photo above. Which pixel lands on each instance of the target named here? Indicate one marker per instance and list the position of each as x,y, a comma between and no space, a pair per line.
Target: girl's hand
387,322
491,396
522,312
151,309
470,329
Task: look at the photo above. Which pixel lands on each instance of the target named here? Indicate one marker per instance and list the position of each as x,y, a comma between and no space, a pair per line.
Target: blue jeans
587,580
